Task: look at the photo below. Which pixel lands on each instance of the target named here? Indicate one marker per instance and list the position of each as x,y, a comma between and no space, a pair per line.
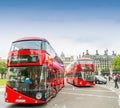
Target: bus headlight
38,95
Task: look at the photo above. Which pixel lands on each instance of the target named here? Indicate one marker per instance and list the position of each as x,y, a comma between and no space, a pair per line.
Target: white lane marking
64,106
78,89
56,105
110,88
101,96
73,88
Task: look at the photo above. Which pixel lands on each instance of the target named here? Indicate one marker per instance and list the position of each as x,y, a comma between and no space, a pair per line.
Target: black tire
98,82
95,82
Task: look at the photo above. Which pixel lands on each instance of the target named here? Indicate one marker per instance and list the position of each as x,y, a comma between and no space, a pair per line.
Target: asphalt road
70,96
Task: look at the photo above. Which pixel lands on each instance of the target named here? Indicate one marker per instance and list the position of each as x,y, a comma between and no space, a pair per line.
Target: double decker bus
81,72
35,73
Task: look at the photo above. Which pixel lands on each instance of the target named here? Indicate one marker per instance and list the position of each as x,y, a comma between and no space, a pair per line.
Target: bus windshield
87,76
85,62
26,78
26,45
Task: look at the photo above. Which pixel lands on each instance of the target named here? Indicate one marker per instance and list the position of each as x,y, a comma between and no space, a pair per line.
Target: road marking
86,90
73,88
56,105
64,106
101,96
112,89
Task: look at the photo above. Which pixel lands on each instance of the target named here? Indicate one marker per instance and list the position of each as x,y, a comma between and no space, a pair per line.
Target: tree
116,64
2,69
105,69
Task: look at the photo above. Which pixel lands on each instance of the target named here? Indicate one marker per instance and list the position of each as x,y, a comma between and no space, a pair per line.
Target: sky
71,26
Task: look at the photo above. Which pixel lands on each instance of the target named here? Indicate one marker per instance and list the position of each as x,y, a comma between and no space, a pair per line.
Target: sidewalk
110,85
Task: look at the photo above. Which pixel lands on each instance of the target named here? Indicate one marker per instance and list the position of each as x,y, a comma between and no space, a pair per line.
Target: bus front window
87,76
26,78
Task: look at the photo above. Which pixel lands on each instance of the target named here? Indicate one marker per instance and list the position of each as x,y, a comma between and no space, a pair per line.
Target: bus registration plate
20,100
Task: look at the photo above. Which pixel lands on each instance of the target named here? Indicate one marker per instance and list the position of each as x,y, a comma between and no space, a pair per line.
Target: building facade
66,60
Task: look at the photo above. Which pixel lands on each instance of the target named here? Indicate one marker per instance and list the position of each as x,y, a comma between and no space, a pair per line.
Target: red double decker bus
35,73
81,72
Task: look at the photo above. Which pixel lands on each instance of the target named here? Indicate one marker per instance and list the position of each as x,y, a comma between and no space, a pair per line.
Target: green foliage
96,72
105,69
116,64
3,82
2,68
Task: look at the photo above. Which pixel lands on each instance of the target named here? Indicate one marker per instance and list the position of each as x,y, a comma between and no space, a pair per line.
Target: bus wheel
54,92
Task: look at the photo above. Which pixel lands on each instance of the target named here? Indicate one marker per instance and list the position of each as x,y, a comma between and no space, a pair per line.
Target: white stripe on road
112,89
101,96
67,89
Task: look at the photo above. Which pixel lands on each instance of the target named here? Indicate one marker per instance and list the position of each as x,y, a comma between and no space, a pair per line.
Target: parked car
100,79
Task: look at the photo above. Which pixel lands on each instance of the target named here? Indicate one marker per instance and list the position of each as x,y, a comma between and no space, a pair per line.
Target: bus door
77,78
49,81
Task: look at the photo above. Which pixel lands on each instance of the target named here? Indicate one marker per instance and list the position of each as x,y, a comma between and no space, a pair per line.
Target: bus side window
52,76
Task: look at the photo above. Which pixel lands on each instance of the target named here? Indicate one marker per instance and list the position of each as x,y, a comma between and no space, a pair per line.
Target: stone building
66,60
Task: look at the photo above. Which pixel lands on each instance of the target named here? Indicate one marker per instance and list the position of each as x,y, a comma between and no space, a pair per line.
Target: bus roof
30,38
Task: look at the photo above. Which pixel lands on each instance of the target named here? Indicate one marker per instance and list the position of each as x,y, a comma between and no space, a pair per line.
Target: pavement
110,85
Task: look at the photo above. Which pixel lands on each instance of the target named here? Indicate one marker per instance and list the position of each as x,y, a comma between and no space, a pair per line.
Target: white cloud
72,38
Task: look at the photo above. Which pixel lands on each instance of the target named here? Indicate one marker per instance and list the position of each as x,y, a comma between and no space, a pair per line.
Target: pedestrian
115,78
